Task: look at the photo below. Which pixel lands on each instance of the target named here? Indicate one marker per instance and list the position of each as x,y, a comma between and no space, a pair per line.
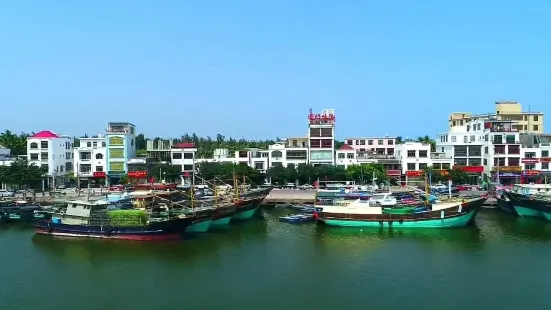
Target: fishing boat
504,203
368,214
529,205
223,210
297,218
94,219
19,211
247,203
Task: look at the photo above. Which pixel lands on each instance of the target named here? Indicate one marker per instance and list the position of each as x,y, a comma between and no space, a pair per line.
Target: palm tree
16,143
427,140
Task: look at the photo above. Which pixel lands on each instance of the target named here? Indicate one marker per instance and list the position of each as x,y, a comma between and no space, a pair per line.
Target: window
357,142
535,118
315,132
468,127
315,143
390,142
116,141
349,142
116,153
350,155
99,168
99,156
461,161
43,155
259,165
422,166
536,127
423,154
475,150
545,166
369,142
132,142
176,155
68,155
94,144
85,168
485,162
445,166
326,132
362,142
380,142
529,167
411,166
44,144
530,155
240,154
465,139
278,154
485,150
116,166
513,161
341,155
544,153
327,143
499,149
497,139
475,162
454,139
390,151
103,144
321,155
411,153
89,144
510,139
472,138
85,156
34,145
34,156
188,167
296,154
460,151
513,149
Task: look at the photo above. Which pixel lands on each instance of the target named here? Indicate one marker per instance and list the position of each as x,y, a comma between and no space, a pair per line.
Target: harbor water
501,263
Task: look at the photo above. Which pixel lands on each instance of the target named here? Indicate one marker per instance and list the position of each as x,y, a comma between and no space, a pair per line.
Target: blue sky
254,68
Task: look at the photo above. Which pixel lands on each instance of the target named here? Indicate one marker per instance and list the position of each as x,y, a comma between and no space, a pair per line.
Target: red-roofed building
54,152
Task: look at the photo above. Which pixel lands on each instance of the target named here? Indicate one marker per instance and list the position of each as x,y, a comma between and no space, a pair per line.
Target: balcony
440,156
501,127
498,141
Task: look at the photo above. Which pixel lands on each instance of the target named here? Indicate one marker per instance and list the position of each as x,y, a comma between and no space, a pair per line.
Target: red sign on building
393,173
137,174
531,172
414,173
472,169
99,174
530,160
545,159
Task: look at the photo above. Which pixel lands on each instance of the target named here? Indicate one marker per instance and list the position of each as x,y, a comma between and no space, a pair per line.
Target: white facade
183,154
4,152
90,158
53,152
282,154
321,137
413,156
254,158
377,145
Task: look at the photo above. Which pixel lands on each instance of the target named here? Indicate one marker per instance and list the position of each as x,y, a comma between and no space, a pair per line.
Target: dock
290,196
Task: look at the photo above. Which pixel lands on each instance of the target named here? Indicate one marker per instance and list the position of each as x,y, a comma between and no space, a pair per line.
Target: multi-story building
54,153
290,152
525,121
120,147
89,160
377,145
321,137
183,155
159,149
413,156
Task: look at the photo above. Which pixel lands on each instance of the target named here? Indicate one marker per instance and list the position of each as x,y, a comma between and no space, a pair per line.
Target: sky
254,68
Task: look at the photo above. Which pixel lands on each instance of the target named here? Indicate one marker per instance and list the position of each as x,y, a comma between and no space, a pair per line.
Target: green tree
458,176
22,175
429,141
277,174
305,174
364,173
16,143
399,140
227,171
435,175
291,174
167,172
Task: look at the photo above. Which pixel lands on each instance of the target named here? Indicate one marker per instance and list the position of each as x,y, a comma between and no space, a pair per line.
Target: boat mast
215,194
427,195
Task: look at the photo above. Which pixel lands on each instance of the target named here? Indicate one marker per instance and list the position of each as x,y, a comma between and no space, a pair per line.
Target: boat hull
199,226
527,206
221,221
506,206
462,215
221,216
247,209
245,214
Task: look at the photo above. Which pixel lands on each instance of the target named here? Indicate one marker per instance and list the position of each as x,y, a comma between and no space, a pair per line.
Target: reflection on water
192,248
499,225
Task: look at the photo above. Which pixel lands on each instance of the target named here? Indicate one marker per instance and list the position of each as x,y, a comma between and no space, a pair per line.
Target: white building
4,152
53,152
321,137
90,160
413,156
376,145
183,155
289,152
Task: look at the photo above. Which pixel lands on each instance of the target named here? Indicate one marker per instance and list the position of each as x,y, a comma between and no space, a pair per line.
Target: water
500,264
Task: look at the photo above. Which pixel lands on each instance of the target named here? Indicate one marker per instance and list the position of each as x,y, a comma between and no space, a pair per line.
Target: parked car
5,193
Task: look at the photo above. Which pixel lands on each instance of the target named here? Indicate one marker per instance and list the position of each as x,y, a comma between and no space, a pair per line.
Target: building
377,145
90,161
53,152
159,149
120,141
525,121
321,137
289,152
183,155
413,156
4,152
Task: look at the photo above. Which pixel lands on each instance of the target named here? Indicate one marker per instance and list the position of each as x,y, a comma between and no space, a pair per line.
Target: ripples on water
499,263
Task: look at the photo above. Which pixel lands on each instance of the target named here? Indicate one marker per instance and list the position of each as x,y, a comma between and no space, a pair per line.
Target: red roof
45,134
184,145
345,147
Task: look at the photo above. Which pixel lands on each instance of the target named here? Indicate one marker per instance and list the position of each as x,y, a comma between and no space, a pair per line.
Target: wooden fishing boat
530,205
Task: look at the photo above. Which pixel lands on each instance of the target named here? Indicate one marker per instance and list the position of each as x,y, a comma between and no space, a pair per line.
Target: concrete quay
290,196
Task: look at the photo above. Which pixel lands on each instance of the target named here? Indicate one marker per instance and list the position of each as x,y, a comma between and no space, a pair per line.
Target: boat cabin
532,189
384,199
79,212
